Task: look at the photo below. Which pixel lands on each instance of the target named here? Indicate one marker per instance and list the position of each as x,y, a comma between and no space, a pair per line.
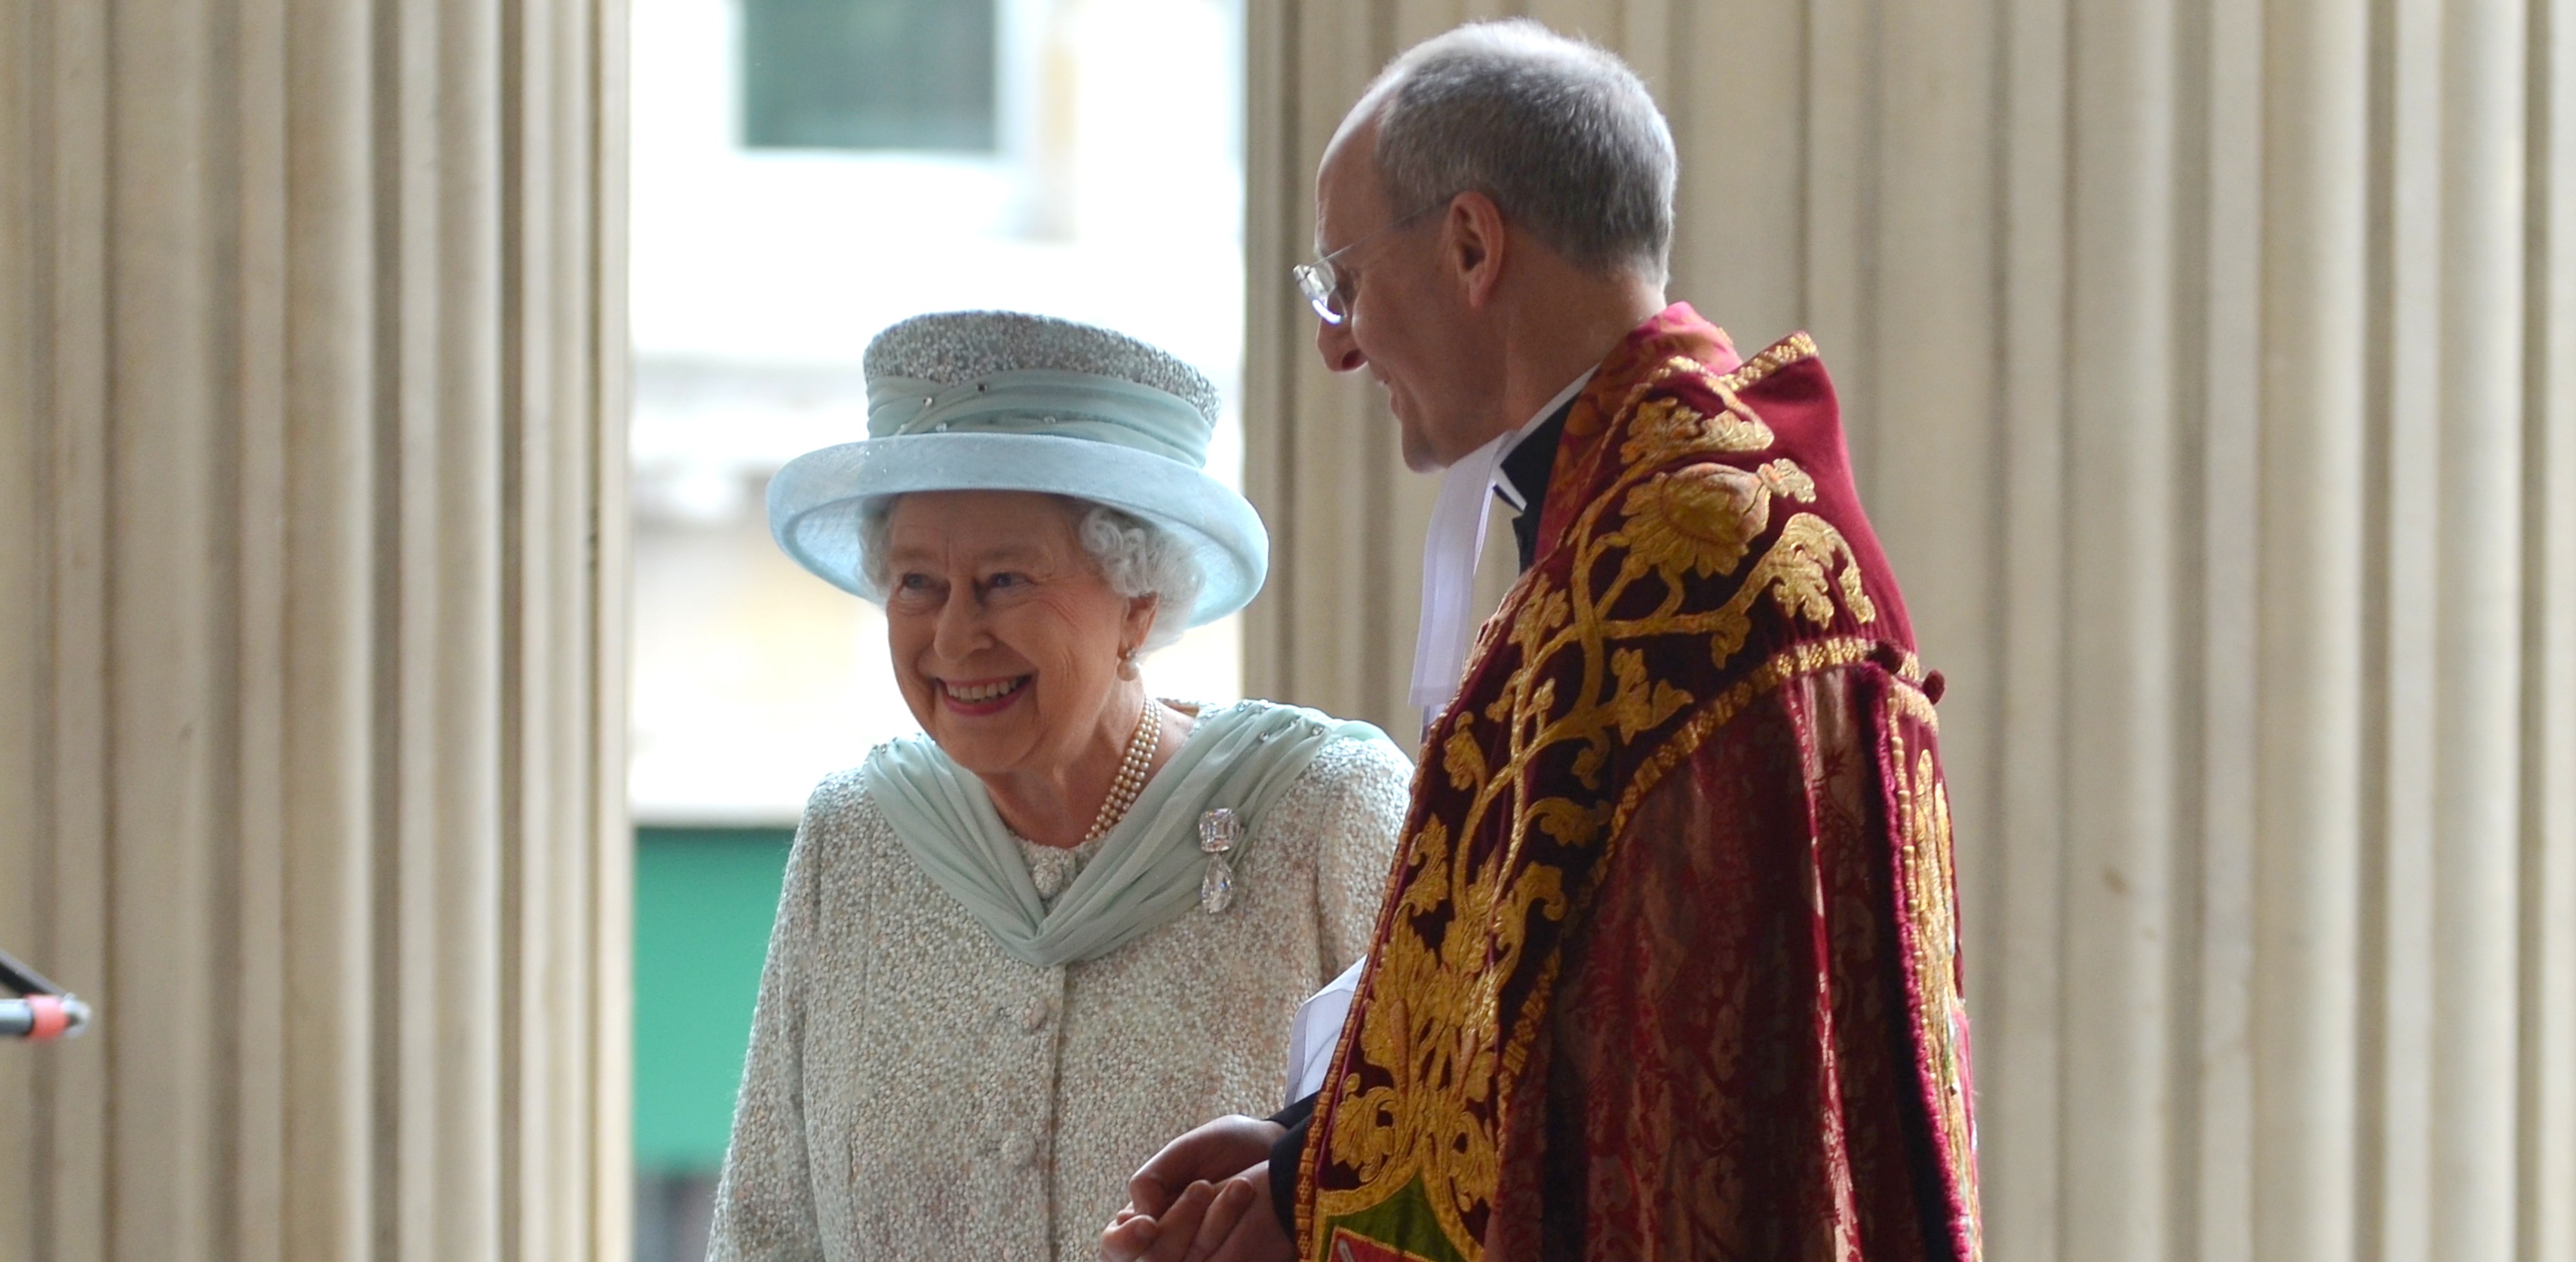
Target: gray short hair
1559,132
1135,556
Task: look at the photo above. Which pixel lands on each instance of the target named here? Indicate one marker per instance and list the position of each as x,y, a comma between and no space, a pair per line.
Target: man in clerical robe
1668,965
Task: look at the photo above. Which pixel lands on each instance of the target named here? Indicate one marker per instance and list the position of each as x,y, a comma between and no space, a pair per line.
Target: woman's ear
1141,612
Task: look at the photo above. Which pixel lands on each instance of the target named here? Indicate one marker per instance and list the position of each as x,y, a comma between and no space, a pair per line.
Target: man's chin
1418,453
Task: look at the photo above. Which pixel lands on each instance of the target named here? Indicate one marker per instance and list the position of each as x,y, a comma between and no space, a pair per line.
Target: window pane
868,74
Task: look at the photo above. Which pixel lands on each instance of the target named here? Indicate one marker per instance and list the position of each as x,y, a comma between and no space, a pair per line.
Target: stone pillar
2476,591
311,681
2206,367
2545,1068
2281,1184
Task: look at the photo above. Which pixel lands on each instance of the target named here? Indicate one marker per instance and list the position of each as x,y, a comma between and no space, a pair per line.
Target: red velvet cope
1730,1069
1669,966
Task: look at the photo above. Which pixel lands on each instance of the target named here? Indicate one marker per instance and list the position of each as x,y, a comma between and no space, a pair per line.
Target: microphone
43,1018
42,1012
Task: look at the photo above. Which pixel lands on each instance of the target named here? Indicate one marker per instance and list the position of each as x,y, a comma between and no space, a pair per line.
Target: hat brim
815,503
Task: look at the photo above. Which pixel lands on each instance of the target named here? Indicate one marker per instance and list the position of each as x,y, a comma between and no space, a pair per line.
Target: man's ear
1475,245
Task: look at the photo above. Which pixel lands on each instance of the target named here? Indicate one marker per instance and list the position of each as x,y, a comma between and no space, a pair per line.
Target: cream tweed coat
914,1093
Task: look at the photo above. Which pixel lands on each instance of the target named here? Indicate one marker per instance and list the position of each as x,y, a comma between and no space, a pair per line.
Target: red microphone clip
42,1012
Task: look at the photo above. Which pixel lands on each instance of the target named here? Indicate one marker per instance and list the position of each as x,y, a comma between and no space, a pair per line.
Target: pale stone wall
2211,374
311,584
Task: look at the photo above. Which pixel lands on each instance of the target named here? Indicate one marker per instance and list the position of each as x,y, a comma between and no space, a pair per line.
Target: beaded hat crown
955,346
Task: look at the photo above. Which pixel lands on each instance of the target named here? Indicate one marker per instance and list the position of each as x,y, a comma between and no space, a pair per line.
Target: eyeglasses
1322,283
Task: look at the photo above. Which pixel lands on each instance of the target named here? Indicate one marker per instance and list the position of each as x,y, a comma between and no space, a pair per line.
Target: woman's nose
961,625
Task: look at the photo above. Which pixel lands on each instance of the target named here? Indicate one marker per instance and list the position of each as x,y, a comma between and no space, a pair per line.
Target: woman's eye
1006,579
913,583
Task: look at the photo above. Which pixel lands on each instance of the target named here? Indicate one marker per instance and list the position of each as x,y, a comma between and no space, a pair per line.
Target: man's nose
1340,350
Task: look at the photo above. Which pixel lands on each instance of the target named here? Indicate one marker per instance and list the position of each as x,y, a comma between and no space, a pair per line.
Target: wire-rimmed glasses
1322,283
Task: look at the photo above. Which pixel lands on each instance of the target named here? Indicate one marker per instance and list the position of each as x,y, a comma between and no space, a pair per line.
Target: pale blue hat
1001,401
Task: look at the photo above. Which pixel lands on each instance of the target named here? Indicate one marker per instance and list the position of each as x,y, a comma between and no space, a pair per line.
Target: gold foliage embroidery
1784,478
1698,519
1539,617
1922,810
1794,574
1701,518
1790,350
1441,1059
1639,705
1462,758
1667,427
1568,823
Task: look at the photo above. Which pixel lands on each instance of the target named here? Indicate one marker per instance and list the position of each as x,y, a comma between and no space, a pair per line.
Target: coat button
1019,1150
1034,1017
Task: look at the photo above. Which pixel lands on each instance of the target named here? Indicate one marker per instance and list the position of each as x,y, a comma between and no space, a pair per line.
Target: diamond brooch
1219,830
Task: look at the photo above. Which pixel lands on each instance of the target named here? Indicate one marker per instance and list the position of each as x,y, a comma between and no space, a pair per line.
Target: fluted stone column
311,681
2124,665
2207,371
2545,1210
2477,594
2285,1189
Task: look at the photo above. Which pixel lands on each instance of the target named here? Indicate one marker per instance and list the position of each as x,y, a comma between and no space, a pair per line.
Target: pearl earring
1127,664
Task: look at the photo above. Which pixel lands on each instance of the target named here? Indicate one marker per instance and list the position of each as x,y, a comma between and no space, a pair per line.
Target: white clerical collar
1515,495
1450,550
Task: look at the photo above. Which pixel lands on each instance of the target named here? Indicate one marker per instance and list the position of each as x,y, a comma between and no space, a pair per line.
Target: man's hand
1230,1221
1189,1189
1221,1149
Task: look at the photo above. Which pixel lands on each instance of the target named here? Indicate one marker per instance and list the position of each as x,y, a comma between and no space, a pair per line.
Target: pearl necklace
1123,791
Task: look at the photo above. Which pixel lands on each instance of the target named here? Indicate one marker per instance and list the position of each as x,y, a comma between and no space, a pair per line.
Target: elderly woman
1017,952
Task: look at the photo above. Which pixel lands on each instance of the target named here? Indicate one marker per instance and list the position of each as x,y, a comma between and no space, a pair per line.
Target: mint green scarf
1148,868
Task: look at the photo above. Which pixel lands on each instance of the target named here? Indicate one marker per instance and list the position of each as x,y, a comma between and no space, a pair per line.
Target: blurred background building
807,172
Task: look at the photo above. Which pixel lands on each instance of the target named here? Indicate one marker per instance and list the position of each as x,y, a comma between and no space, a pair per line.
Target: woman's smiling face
1006,638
